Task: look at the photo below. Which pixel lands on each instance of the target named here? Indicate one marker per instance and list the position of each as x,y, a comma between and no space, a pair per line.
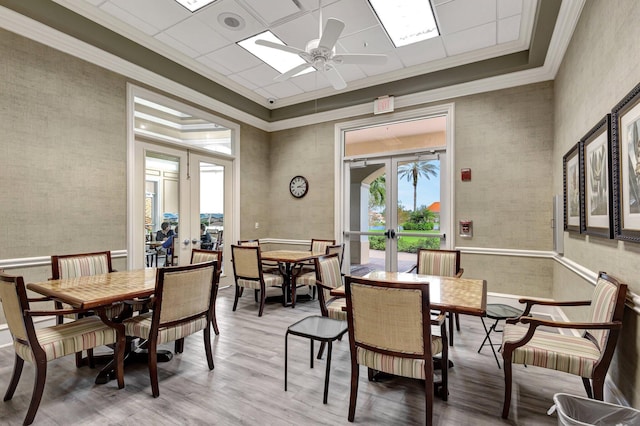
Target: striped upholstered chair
328,276
189,292
390,331
80,265
248,273
48,343
587,356
444,263
308,278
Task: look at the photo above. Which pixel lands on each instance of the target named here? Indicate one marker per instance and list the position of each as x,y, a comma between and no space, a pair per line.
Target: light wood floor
246,386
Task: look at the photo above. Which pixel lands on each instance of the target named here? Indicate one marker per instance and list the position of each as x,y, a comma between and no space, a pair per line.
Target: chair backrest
607,304
329,274
390,318
246,262
438,262
79,265
199,256
13,296
320,246
188,290
337,249
250,243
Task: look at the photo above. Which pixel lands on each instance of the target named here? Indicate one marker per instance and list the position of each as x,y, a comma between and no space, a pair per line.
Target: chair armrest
534,323
531,302
439,319
460,272
413,268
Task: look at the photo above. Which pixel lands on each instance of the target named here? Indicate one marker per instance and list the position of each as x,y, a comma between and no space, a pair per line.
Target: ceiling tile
509,29
472,39
372,40
298,32
243,82
175,44
283,89
460,15
216,66
507,8
95,2
356,15
351,72
241,59
130,19
273,10
160,13
213,16
393,64
261,76
310,81
424,51
197,35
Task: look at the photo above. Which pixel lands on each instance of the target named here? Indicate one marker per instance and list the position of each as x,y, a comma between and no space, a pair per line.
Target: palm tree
378,192
413,171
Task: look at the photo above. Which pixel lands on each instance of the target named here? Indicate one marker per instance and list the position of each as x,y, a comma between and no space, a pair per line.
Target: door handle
390,233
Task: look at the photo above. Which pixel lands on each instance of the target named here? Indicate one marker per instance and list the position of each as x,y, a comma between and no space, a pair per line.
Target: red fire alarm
465,174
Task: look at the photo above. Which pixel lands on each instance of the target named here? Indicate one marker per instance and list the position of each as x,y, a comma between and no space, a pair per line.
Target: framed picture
598,193
573,193
625,134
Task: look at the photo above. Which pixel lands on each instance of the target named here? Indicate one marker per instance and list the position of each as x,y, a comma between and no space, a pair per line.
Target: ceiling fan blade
334,77
284,48
360,58
293,71
332,30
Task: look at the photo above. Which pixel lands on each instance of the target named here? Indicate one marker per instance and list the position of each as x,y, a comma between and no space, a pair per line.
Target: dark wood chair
248,273
444,263
78,265
48,343
395,340
189,292
587,356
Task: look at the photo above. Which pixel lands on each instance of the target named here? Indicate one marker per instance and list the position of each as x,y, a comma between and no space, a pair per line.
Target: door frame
341,202
135,172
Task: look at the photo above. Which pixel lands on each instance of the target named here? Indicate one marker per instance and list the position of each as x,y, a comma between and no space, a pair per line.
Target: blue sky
428,191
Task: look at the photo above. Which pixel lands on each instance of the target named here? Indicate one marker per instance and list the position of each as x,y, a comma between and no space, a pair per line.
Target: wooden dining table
449,294
100,291
290,264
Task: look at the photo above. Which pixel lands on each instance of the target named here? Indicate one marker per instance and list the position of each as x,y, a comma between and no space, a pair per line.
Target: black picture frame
625,135
573,178
598,182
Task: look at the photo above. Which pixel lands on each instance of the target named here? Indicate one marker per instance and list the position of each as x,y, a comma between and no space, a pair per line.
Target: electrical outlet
257,225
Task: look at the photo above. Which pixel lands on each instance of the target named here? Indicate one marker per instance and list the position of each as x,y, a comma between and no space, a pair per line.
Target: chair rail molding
29,262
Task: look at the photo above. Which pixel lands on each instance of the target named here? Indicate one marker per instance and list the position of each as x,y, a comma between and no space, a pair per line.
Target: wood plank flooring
246,387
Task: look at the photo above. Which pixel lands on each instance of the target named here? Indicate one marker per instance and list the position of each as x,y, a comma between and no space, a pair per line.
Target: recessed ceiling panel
460,15
161,14
273,10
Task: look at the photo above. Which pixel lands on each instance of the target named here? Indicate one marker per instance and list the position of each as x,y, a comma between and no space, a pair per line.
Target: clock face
298,186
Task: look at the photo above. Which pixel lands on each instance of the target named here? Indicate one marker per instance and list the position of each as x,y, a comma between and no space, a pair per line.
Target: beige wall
600,67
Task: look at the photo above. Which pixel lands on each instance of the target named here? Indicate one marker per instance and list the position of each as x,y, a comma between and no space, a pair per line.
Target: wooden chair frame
426,355
601,367
458,274
39,356
259,278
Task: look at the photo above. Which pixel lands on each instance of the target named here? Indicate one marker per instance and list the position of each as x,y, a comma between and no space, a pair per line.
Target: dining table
97,292
290,265
450,294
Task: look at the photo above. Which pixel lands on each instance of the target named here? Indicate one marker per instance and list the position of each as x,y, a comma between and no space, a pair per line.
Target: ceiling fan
321,54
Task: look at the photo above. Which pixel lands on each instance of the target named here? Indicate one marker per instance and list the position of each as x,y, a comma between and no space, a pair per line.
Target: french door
189,191
393,207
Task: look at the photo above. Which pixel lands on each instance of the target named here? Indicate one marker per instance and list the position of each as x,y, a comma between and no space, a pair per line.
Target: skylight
194,5
281,61
406,21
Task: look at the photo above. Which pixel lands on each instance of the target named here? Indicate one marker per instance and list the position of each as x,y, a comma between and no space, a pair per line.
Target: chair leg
255,295
38,388
179,346
207,346
153,368
587,386
457,321
235,301
15,378
450,320
507,388
293,294
598,388
213,313
445,366
263,297
118,354
428,397
355,373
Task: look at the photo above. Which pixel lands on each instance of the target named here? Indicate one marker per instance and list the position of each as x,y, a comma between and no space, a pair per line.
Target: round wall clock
299,186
